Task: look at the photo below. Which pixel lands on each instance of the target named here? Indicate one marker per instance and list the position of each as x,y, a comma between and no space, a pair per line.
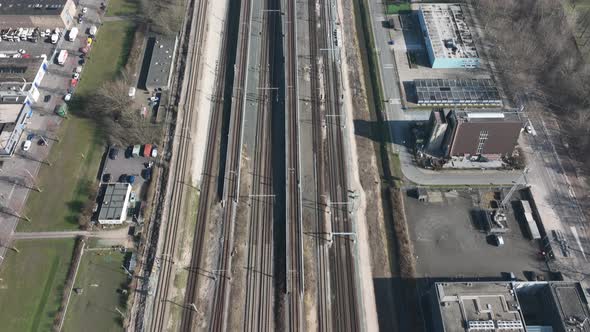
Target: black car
113,153
146,174
106,177
123,178
129,152
47,98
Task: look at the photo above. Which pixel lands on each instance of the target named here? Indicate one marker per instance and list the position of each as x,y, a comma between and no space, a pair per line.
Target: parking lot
19,172
449,241
124,166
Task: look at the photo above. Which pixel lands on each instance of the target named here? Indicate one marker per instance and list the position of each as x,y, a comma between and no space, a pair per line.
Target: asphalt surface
399,120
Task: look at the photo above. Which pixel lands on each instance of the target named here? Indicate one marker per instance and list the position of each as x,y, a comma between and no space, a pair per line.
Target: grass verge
191,207
102,278
75,159
122,7
396,8
31,284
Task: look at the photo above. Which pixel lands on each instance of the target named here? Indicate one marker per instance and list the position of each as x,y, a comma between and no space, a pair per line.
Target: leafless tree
164,16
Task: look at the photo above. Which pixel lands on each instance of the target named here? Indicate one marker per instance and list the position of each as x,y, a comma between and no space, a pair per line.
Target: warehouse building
457,92
449,41
114,202
12,125
20,79
509,306
46,14
161,63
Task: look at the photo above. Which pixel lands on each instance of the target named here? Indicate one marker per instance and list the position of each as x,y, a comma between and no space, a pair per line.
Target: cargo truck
73,33
61,58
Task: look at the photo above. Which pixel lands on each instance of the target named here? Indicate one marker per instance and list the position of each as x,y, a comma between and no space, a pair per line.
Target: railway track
231,187
209,193
318,111
294,260
342,307
177,176
258,313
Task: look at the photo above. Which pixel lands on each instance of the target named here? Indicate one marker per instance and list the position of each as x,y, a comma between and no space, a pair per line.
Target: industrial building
449,41
46,14
161,62
20,78
457,92
509,306
114,201
470,132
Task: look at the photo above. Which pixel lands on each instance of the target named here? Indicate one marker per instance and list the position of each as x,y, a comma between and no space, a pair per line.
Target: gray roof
114,201
478,304
31,7
161,62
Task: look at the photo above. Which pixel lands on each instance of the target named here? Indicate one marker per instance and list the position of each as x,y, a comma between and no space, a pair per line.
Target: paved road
114,234
399,121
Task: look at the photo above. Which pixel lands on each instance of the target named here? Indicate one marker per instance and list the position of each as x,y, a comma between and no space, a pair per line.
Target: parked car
84,10
131,179
123,178
146,174
113,152
47,98
27,145
106,177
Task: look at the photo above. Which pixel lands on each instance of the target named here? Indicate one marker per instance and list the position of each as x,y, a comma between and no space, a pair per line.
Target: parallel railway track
344,302
259,271
209,193
177,177
294,263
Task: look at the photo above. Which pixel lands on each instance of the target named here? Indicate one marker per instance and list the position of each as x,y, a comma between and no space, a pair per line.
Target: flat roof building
113,203
12,125
161,62
448,38
477,306
492,134
554,306
457,92
46,14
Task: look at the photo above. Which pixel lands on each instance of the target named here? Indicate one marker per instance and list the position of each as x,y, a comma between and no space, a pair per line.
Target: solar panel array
457,92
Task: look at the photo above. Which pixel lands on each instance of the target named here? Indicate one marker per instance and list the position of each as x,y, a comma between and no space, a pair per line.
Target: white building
114,203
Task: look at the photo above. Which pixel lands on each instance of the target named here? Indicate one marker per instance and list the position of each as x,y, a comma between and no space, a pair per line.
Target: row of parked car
138,150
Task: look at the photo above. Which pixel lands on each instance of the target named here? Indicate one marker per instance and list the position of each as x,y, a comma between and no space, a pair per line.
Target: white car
68,97
76,76
84,10
27,145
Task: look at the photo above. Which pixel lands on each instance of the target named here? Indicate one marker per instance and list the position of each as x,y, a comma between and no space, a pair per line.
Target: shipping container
530,221
147,150
136,150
